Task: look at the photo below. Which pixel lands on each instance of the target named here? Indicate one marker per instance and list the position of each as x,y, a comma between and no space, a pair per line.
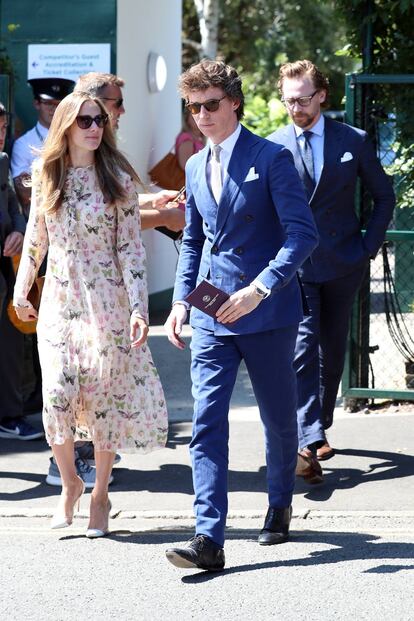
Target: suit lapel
241,160
332,151
290,141
204,195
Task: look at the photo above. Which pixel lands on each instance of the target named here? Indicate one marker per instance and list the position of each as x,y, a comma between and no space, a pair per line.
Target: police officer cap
51,88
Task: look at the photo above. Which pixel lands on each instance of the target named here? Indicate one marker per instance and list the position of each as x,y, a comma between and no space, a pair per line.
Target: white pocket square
251,175
347,157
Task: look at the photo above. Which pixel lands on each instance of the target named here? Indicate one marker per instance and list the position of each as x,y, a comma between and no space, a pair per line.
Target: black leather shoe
201,552
276,527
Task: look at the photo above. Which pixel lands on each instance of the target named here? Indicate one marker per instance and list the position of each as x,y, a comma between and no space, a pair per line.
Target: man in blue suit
248,229
329,157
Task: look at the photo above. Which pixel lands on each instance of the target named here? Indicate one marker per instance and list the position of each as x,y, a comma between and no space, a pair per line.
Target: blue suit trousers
215,361
320,352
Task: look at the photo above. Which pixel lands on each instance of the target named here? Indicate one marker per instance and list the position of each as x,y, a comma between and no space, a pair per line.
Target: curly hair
301,68
213,73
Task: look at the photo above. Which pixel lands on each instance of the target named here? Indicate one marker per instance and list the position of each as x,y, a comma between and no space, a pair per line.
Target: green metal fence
380,358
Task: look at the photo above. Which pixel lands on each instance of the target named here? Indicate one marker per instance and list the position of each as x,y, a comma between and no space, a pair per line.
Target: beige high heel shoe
63,521
94,533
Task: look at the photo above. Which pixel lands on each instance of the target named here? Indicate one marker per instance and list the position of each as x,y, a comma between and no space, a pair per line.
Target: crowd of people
269,222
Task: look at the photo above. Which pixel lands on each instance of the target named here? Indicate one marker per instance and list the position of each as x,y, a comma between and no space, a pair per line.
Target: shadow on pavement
345,547
387,466
10,447
172,478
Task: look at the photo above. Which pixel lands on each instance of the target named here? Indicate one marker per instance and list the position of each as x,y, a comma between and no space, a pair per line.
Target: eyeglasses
211,105
302,101
84,121
118,101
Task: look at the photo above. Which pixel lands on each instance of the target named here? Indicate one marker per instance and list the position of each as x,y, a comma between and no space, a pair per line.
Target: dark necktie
307,158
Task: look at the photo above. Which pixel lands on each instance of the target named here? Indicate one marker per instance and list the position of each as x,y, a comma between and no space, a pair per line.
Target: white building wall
152,120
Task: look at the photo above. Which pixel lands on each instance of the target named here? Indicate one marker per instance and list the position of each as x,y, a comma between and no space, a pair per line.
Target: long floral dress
94,385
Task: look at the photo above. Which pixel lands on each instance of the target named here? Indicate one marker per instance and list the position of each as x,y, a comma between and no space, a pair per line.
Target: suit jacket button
333,233
3,187
248,217
242,277
239,250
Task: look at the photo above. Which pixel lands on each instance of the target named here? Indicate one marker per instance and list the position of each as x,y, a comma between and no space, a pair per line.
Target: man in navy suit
248,229
329,157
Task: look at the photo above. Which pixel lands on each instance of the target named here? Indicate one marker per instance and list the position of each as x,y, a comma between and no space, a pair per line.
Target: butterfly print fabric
95,278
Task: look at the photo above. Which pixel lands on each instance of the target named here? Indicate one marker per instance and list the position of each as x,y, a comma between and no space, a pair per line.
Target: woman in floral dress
99,380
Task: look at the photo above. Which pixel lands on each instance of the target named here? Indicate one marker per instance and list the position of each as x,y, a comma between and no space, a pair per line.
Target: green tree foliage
381,33
6,66
258,37
386,26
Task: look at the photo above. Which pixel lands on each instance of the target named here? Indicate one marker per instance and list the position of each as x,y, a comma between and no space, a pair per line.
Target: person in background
248,229
154,208
13,423
330,157
189,141
92,333
47,93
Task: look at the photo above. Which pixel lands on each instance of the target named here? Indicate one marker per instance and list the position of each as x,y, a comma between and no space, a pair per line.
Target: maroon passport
207,298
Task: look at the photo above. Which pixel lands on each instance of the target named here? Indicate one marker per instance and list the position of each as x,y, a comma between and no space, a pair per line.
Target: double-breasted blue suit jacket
348,154
262,228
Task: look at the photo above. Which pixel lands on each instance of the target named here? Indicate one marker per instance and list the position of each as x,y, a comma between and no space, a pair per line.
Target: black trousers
11,354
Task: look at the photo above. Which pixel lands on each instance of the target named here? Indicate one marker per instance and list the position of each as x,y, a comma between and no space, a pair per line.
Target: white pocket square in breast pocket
347,157
251,175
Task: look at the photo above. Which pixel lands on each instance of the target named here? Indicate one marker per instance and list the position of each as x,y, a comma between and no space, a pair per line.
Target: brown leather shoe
325,452
308,467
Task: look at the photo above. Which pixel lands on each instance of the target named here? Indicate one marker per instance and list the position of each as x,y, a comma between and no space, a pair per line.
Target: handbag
168,173
34,297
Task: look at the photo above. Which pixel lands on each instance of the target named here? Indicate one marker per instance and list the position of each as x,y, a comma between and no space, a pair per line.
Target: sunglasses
211,105
84,121
118,101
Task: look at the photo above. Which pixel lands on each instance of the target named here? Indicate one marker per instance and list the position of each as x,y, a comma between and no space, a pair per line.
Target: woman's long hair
109,161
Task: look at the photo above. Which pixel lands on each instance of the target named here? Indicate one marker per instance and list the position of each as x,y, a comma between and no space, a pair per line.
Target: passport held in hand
207,298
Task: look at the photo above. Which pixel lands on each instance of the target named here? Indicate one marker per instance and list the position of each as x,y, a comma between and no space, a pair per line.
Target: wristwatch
262,294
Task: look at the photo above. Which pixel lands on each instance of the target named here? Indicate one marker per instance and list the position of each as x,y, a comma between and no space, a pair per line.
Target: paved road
351,554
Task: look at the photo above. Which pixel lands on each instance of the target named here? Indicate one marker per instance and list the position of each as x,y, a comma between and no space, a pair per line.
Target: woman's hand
26,313
139,330
13,244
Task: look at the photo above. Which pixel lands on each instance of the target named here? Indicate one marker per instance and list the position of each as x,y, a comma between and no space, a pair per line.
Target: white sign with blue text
67,60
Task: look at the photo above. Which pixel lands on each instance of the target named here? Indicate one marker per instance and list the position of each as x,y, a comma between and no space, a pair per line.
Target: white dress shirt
227,147
24,150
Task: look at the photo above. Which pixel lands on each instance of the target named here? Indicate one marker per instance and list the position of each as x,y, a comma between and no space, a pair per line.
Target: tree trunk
208,17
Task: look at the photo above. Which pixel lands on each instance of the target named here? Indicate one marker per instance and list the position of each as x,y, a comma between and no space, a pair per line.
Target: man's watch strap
260,290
